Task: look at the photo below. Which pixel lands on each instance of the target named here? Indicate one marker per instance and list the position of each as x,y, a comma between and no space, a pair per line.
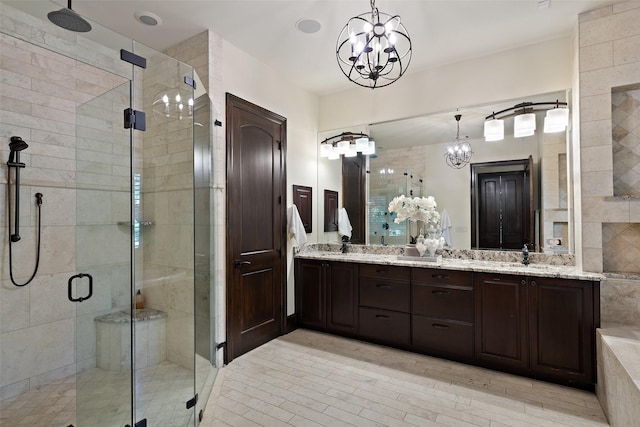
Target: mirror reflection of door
354,194
502,204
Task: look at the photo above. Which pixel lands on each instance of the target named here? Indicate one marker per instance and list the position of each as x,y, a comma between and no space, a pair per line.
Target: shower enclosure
119,144
386,181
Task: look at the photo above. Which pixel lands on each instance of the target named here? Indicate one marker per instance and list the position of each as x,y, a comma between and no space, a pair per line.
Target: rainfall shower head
69,20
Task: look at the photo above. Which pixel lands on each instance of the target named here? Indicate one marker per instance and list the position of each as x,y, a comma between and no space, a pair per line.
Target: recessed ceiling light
308,25
148,18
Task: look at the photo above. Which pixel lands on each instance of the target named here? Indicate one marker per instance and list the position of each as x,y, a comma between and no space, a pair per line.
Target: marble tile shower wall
609,59
167,201
625,116
40,94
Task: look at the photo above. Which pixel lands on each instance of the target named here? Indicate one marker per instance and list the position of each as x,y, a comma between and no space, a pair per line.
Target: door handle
239,263
439,292
70,287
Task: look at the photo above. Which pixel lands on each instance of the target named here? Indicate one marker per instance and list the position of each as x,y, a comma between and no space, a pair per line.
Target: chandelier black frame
368,51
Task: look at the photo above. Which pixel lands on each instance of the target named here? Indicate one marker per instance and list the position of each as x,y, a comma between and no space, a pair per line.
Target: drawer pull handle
439,276
533,283
381,316
384,286
440,292
523,282
439,326
382,271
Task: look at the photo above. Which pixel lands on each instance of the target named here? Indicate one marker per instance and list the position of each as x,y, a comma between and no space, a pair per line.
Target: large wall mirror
410,160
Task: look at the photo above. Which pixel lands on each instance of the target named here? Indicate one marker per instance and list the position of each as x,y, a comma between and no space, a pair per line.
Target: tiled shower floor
162,392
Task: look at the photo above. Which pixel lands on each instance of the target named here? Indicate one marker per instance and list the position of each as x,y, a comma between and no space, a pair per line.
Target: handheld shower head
17,144
69,20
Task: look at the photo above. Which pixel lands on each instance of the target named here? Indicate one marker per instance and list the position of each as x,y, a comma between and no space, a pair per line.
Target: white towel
344,225
445,226
295,226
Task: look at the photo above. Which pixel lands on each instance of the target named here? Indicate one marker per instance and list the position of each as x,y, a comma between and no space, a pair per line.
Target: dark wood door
310,293
502,210
354,194
342,297
256,226
562,329
501,321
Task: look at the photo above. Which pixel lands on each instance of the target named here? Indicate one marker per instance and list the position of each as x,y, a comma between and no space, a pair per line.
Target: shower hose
39,204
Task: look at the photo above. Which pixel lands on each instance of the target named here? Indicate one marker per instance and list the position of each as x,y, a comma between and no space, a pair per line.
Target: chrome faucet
525,255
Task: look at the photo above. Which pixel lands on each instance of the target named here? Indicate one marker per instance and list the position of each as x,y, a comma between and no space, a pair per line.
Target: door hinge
189,81
279,200
132,58
135,119
192,402
279,145
141,423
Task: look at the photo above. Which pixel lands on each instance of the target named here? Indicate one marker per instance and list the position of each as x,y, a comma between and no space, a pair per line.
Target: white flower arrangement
415,209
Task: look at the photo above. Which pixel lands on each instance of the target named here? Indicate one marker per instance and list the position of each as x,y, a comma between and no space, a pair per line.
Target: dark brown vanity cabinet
327,295
442,312
385,302
538,326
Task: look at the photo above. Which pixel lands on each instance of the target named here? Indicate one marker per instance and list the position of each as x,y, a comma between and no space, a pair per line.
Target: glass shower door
164,266
102,284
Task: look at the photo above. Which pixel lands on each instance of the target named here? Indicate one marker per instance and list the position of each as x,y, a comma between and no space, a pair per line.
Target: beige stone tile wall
167,202
41,95
609,60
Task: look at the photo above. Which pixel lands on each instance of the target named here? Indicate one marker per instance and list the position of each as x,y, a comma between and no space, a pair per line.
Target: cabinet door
342,297
310,293
562,329
501,321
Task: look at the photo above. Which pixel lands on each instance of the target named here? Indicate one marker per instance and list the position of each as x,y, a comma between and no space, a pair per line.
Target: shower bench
113,339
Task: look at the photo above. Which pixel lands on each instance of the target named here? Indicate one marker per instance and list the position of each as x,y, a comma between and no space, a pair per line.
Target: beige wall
528,70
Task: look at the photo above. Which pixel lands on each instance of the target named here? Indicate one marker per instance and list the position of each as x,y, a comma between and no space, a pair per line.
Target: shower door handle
70,287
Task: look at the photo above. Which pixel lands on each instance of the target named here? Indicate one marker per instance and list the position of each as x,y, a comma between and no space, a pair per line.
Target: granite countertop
540,270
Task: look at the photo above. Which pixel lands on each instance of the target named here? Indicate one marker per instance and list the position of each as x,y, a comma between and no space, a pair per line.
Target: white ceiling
442,31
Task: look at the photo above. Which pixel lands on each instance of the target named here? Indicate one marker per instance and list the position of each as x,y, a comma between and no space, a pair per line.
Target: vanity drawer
443,302
386,271
385,293
441,337
443,277
385,326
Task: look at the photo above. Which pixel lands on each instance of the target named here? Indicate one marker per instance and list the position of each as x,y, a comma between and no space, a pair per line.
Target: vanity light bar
556,119
348,144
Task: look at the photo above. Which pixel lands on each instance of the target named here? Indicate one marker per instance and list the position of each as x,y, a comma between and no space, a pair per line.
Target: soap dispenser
139,300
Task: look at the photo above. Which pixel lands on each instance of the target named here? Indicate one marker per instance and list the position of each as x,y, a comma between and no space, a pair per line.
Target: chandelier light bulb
165,98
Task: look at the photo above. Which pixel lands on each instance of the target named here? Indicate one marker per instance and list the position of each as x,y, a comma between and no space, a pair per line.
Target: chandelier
524,120
374,49
348,144
459,152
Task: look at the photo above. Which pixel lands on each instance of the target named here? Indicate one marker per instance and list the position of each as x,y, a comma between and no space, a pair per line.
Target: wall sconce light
524,122
348,144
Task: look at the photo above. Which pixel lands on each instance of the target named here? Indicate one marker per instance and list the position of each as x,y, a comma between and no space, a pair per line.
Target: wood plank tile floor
307,378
